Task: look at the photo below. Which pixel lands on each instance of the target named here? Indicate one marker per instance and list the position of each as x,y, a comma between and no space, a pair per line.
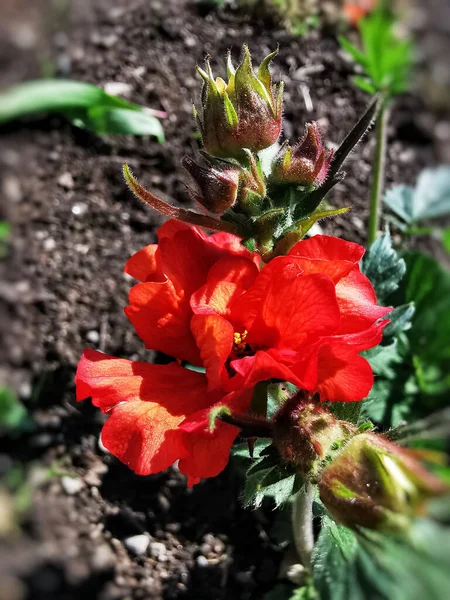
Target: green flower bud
376,484
306,163
244,112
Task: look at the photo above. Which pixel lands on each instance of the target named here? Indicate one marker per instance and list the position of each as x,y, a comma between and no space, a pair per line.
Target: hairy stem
302,524
378,174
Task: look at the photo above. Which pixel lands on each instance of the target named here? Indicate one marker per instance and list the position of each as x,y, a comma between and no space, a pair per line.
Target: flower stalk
378,172
302,524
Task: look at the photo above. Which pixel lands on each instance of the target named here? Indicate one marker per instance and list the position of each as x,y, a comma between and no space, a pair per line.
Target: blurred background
74,523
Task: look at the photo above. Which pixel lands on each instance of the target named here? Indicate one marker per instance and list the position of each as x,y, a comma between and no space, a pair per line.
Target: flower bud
216,188
307,435
243,113
376,484
225,184
306,163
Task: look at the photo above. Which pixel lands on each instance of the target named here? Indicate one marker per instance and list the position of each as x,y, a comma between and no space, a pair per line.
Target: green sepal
230,112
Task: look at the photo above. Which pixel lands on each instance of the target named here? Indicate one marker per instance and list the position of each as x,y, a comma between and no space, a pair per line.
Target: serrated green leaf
400,320
384,267
430,199
268,476
385,58
380,566
242,451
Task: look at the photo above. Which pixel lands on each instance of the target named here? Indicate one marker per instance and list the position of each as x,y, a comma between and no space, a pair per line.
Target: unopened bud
306,163
244,112
308,435
376,484
216,188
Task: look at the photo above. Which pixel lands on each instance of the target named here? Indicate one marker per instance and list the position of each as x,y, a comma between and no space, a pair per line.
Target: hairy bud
376,484
244,112
216,188
308,435
306,163
225,184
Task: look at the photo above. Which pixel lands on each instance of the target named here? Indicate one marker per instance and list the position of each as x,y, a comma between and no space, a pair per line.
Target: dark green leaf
268,476
384,267
382,566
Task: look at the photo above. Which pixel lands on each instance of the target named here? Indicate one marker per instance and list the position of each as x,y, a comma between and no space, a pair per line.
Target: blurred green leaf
430,199
86,105
13,415
385,58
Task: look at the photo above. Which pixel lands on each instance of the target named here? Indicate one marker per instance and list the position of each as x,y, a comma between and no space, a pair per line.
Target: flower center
240,346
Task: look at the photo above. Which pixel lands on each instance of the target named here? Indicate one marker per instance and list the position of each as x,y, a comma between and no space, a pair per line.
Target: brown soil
62,288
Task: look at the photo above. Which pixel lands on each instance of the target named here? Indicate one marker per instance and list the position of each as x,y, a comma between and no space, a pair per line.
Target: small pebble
71,485
79,209
93,336
202,562
137,544
158,550
66,181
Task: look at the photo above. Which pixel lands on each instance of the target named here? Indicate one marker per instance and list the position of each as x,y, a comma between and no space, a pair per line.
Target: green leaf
5,229
365,84
446,239
13,415
384,267
87,105
430,199
400,320
269,476
347,566
333,558
385,58
106,120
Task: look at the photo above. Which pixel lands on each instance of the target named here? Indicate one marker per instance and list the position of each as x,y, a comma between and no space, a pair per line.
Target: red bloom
303,318
147,405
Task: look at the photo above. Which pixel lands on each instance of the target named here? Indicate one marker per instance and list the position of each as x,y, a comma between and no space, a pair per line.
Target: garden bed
63,289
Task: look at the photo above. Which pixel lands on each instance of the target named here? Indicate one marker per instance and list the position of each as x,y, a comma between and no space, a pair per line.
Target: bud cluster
271,207
364,479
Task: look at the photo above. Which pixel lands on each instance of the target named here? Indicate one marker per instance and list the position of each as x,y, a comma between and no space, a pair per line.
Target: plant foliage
85,105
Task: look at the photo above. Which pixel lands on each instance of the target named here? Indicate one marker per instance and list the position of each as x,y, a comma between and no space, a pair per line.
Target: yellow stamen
239,340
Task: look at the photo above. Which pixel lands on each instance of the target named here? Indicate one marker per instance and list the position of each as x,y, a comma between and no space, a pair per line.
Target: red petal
214,337
261,367
357,303
187,255
328,247
228,279
343,375
293,308
365,339
148,402
209,450
161,317
144,266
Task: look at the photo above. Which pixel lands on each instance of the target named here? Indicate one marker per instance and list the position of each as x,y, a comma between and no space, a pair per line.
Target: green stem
302,524
378,173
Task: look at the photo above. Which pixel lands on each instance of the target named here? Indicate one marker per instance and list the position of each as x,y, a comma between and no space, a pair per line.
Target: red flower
303,318
147,405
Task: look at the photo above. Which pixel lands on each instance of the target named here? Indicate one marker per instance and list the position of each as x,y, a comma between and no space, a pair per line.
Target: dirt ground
62,287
